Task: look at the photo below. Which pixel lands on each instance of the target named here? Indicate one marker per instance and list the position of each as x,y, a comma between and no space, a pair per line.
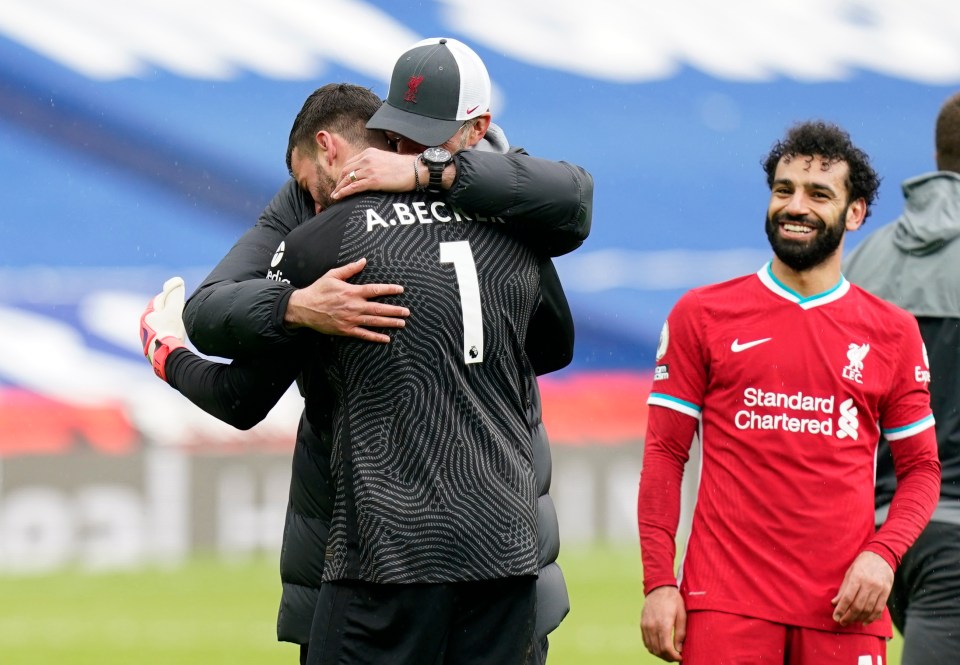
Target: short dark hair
833,145
339,108
948,135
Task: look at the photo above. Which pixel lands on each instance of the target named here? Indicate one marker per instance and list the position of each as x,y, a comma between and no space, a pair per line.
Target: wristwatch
436,159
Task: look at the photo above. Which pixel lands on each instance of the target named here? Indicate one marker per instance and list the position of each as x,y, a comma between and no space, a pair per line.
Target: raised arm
549,205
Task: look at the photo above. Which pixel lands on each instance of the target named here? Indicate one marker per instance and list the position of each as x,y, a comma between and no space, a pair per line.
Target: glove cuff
163,348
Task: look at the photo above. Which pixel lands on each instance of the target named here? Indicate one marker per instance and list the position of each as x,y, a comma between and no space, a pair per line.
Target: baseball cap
436,86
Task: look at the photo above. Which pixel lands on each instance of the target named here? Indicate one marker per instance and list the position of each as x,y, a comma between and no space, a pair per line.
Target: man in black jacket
236,313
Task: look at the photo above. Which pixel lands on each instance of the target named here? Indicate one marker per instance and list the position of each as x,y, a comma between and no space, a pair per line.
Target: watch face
437,154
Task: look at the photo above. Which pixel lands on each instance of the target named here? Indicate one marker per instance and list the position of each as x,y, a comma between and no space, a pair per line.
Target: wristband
164,348
416,174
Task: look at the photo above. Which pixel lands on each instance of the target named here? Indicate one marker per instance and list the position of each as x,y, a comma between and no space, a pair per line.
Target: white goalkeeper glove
161,325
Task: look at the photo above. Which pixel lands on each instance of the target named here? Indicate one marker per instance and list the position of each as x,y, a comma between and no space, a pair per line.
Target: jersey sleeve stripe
688,408
908,430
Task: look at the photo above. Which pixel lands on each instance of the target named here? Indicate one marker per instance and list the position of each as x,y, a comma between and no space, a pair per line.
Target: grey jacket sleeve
549,204
236,312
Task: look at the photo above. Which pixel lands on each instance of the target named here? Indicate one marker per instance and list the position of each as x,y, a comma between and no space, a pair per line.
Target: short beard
802,256
325,187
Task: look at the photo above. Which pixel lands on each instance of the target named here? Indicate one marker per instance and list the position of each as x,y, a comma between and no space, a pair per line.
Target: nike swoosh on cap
469,111
737,347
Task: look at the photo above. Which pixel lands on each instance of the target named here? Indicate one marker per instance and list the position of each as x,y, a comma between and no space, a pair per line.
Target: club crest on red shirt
412,86
855,354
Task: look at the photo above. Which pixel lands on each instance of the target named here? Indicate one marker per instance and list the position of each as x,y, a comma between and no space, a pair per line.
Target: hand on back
334,306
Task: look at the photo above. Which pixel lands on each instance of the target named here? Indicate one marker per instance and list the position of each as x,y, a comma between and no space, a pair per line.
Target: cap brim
421,129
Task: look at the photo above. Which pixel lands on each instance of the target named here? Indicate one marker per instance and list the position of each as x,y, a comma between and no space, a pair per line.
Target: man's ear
478,128
326,146
856,214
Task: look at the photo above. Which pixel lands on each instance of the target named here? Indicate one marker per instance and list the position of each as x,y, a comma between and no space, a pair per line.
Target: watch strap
436,176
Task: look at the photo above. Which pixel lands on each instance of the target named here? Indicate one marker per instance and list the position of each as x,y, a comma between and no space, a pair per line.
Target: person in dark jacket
914,262
236,313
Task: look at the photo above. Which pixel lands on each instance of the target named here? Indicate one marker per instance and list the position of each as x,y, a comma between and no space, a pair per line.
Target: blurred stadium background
139,138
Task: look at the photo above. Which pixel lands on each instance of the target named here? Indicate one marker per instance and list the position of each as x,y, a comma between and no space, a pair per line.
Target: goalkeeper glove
161,325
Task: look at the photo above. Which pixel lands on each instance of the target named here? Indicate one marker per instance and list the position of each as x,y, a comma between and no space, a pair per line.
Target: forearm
547,204
240,394
918,489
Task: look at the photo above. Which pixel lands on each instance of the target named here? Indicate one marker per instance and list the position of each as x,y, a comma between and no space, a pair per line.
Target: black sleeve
548,205
314,247
236,312
240,393
550,336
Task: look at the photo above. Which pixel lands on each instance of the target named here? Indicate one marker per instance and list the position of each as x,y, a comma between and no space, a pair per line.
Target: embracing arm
547,204
240,393
236,311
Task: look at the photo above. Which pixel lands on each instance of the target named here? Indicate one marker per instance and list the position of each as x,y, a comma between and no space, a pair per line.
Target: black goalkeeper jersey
432,461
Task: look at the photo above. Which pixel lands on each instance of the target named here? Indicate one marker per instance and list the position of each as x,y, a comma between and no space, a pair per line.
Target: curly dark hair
832,144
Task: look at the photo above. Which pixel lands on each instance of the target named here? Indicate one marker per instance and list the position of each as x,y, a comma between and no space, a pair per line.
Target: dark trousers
539,658
462,623
925,600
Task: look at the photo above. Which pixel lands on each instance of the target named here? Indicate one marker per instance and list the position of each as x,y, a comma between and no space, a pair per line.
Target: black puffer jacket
237,313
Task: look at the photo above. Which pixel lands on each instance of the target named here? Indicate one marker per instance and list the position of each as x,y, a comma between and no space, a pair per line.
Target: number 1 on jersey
461,256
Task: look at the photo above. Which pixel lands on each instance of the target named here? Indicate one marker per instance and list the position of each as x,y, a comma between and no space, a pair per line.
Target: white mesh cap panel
474,79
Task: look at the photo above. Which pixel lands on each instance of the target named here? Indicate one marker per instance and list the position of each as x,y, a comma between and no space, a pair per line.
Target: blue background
119,183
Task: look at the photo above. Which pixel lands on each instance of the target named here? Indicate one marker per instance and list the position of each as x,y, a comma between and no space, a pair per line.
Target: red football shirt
791,394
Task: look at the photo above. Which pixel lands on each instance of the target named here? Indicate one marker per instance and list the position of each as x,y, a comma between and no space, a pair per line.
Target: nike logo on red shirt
737,347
